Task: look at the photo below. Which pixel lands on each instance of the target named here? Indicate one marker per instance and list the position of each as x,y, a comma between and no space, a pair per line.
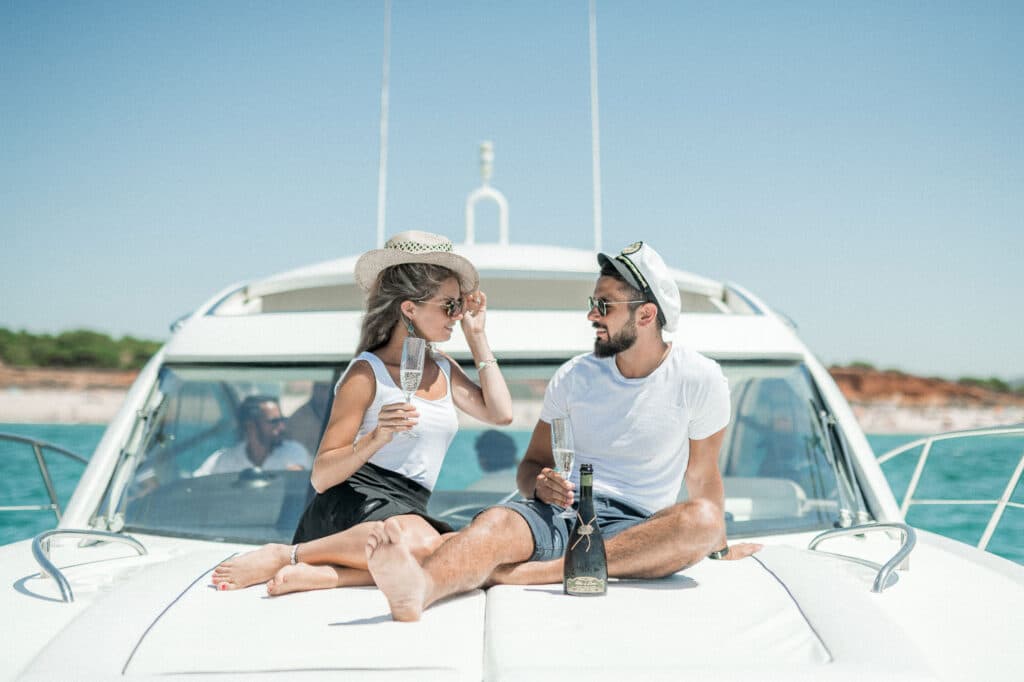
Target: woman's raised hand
474,315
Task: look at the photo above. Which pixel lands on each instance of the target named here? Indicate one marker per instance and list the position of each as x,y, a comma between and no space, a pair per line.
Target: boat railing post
1004,502
916,477
44,471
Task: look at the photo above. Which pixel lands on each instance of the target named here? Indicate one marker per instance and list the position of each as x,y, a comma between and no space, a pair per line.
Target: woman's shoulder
361,370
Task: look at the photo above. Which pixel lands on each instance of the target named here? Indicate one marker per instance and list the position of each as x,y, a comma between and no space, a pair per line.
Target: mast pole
595,127
382,168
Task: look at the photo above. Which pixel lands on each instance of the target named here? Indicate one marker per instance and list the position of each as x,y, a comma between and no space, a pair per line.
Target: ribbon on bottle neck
585,530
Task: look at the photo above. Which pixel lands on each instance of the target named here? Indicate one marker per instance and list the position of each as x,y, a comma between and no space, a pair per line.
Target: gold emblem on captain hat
632,248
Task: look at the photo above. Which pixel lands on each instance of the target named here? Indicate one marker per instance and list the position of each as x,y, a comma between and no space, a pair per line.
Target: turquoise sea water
952,473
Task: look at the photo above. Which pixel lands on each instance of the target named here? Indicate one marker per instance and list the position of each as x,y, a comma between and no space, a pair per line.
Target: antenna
382,169
595,127
485,191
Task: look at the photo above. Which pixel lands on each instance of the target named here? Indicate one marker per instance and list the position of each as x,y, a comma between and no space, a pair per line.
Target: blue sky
858,165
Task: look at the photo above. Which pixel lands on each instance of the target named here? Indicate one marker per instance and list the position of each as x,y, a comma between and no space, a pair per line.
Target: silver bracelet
484,364
295,550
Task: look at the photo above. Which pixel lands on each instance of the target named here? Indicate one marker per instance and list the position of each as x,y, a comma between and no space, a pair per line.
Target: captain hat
643,269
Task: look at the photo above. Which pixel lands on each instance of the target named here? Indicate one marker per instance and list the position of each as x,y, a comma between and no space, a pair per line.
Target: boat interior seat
752,497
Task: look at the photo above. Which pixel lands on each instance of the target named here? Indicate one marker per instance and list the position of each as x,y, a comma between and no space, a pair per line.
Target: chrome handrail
901,559
44,471
41,552
1000,504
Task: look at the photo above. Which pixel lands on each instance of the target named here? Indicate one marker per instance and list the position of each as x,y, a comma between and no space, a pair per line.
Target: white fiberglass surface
778,470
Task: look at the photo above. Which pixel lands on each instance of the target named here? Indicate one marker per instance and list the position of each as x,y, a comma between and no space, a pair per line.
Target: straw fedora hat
414,246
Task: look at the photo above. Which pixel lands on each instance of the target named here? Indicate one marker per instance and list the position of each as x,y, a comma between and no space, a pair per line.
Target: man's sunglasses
602,305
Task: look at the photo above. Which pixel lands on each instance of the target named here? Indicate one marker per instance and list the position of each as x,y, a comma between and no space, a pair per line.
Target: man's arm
535,476
703,478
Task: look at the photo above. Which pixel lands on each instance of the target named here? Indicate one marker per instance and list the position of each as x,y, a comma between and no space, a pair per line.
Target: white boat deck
767,617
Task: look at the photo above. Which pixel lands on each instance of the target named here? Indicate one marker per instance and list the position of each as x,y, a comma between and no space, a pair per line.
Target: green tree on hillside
75,348
992,384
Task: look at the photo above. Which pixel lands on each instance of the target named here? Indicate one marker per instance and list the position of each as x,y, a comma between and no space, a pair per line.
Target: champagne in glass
411,372
563,450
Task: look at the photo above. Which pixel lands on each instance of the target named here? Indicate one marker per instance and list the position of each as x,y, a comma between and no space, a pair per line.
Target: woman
363,472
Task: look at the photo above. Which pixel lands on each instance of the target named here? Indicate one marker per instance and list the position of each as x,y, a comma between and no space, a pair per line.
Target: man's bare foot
301,577
396,571
742,550
257,566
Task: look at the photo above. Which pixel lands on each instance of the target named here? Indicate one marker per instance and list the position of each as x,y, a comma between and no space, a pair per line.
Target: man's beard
624,340
271,441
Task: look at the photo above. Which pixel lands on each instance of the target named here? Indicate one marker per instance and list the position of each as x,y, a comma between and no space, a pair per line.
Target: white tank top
418,459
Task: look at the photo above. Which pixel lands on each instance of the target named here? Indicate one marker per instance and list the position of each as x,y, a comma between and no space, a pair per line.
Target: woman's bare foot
302,577
257,566
396,571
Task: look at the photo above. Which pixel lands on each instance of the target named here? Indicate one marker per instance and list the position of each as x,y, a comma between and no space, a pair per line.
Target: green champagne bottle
585,571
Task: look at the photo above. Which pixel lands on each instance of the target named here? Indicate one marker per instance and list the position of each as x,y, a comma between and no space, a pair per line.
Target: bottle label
585,585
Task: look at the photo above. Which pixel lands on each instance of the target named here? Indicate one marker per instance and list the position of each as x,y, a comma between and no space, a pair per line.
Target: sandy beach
58,406
885,418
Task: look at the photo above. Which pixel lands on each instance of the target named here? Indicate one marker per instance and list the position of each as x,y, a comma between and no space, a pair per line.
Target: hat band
418,247
644,286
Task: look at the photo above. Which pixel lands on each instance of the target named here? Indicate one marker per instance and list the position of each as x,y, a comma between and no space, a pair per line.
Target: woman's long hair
398,283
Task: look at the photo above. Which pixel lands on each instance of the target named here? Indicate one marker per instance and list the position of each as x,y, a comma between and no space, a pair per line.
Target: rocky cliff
867,386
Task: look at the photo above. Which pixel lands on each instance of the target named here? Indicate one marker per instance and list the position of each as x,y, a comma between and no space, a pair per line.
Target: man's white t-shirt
636,432
289,453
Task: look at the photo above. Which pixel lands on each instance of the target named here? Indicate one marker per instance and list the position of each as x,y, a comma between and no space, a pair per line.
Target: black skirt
370,494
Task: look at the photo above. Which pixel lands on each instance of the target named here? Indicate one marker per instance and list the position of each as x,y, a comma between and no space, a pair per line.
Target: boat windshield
191,471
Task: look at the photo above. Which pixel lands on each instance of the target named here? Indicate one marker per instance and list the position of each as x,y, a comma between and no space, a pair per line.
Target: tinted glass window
776,469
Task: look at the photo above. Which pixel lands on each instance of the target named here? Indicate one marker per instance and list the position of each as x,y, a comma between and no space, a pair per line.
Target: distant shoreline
20,405
883,402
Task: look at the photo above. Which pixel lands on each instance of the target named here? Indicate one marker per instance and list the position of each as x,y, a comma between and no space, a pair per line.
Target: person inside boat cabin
263,444
646,413
381,454
496,455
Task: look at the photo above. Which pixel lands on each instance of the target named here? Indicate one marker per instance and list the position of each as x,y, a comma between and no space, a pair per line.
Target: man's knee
499,521
697,526
706,515
504,532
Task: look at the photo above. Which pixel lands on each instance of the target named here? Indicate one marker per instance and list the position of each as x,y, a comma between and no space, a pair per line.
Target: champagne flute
564,451
411,372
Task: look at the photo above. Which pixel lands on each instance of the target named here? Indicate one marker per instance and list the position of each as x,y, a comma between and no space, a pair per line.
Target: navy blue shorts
551,532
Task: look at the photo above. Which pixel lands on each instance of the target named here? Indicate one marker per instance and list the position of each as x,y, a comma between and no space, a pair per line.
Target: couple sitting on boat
644,412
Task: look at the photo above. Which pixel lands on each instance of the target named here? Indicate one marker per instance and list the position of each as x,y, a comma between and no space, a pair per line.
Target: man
496,455
263,444
644,412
